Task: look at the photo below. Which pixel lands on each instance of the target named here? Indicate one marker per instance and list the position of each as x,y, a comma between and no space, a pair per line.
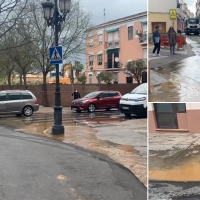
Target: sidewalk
38,168
166,58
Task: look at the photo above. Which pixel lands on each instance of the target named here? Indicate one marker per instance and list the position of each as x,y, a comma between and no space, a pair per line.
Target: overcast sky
114,8
191,5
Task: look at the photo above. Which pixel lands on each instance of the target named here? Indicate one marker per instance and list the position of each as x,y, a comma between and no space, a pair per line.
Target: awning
112,30
91,54
100,52
112,51
144,23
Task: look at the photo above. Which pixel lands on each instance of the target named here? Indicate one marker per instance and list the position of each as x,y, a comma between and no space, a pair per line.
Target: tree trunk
24,77
9,78
44,77
20,78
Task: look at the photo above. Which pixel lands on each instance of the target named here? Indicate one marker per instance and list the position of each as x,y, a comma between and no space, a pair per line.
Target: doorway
166,114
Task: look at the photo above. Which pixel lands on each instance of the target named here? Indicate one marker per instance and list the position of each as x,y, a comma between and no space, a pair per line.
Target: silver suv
18,102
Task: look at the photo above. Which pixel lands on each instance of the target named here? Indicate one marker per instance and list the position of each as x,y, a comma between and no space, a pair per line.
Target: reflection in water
184,82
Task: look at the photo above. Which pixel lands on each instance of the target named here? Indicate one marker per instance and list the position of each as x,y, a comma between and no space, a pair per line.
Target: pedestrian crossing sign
55,55
172,13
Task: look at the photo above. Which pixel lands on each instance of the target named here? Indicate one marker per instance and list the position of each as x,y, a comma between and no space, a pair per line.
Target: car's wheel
91,108
27,111
107,109
127,114
18,115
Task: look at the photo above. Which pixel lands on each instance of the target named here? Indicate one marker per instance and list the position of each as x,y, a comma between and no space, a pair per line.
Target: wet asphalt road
160,190
39,168
69,118
181,77
70,171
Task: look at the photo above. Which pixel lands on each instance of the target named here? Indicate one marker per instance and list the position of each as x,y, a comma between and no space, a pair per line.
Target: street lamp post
55,14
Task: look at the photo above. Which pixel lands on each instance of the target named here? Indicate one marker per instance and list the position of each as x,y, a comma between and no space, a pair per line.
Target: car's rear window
14,96
141,89
91,95
3,97
113,94
26,96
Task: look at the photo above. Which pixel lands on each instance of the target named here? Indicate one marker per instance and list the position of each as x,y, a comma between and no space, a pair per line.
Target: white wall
150,107
192,106
162,6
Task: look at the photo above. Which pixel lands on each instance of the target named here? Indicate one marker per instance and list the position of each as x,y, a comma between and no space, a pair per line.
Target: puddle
82,135
182,166
187,172
183,82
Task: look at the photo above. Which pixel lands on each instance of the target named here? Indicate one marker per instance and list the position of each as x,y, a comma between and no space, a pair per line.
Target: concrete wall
161,6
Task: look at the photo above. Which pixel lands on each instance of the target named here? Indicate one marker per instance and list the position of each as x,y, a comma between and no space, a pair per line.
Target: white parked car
135,102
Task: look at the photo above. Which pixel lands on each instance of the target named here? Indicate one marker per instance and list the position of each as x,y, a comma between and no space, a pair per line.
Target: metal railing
143,39
112,44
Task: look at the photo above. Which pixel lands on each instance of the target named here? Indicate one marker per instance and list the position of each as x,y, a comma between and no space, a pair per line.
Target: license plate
74,108
125,108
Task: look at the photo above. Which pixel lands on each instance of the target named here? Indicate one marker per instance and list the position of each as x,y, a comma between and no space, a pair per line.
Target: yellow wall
161,17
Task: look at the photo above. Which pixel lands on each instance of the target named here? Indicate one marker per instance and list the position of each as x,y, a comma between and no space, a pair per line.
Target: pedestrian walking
76,95
172,38
156,41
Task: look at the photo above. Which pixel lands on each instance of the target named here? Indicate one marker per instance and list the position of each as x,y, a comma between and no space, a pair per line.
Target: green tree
78,67
82,79
106,76
135,68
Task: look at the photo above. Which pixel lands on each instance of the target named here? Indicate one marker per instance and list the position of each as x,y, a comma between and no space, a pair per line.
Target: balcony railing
112,44
143,38
113,65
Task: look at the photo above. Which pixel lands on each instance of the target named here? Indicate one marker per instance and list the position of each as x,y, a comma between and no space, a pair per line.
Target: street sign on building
56,55
172,13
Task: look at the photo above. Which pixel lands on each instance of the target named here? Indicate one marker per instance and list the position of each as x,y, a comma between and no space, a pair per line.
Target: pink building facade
111,45
174,117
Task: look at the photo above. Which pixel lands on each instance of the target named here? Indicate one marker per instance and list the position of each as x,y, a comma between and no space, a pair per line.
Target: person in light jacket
156,41
172,38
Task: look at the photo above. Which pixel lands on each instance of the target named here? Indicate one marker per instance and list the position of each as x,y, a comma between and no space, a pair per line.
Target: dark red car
97,100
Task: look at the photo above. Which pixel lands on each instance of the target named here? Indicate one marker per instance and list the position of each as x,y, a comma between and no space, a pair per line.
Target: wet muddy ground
174,163
182,82
110,133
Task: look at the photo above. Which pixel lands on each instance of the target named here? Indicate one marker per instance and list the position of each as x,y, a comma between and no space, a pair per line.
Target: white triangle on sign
56,55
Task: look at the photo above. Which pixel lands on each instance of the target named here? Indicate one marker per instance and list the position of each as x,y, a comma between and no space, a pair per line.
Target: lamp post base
58,130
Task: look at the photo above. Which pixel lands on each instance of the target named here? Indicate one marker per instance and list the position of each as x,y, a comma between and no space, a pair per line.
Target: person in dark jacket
156,41
76,95
172,39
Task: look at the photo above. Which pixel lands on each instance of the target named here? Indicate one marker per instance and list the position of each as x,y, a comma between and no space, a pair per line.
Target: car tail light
36,101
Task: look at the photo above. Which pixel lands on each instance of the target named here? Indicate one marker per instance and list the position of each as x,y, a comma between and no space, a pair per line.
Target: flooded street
174,162
108,133
177,80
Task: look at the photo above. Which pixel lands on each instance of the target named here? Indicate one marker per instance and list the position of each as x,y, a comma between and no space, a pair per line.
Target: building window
91,40
181,108
129,79
130,33
100,39
90,78
91,60
100,59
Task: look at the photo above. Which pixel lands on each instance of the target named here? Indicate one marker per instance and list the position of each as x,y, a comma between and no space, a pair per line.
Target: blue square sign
55,55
